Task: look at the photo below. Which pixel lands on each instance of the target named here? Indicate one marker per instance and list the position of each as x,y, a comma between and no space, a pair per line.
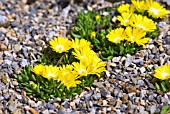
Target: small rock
103,92
46,111
3,47
142,69
128,60
98,84
140,82
116,59
17,47
24,62
152,109
12,107
4,22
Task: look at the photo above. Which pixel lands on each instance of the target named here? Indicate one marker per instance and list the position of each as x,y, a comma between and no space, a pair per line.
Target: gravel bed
26,26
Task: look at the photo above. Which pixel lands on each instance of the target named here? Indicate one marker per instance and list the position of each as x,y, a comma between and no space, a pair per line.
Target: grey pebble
103,92
128,60
12,106
141,82
24,62
3,21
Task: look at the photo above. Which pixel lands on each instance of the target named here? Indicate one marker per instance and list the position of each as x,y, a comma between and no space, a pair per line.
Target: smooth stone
128,60
15,65
98,84
24,62
103,92
141,82
7,96
17,47
12,107
50,106
3,21
3,47
66,105
46,111
60,112
142,70
8,62
152,109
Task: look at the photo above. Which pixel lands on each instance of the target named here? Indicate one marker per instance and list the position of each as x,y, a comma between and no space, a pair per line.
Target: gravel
25,28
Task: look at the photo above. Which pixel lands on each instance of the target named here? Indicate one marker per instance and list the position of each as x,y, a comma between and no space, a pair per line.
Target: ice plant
124,8
142,22
68,77
82,53
136,35
80,68
163,72
77,44
116,36
50,72
60,44
96,66
124,19
93,34
155,9
139,5
97,17
38,69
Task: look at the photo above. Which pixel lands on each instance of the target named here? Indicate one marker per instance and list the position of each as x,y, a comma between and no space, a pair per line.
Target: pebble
3,47
128,60
3,21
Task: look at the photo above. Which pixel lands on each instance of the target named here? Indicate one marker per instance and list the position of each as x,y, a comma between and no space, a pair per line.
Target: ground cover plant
69,65
122,32
66,67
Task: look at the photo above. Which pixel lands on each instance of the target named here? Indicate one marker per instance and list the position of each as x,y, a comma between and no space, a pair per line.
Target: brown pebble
142,54
3,47
15,83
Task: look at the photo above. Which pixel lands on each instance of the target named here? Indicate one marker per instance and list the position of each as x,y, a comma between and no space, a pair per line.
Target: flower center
165,75
116,39
82,72
60,47
51,74
141,26
155,11
126,21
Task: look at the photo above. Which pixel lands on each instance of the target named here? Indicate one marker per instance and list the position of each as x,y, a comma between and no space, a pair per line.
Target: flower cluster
137,25
152,8
88,63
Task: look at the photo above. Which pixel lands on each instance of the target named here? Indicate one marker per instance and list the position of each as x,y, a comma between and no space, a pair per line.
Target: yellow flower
69,80
65,69
82,53
50,72
142,22
163,72
136,35
60,44
93,34
124,8
80,68
117,35
124,19
97,17
97,67
156,10
38,69
77,44
68,77
139,5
